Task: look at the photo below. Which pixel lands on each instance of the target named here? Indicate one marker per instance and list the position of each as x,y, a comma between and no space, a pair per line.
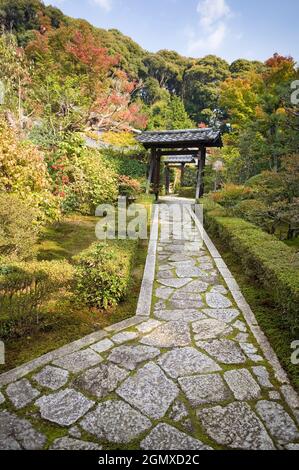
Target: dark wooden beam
151,170
167,179
183,144
171,153
203,157
197,191
182,173
157,175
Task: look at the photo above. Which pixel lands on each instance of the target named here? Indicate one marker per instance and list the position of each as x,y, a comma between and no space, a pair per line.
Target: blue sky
252,29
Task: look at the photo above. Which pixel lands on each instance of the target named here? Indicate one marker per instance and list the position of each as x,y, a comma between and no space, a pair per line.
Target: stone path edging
145,297
249,316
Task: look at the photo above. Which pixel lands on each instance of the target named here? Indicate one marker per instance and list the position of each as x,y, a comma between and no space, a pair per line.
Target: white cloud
212,27
211,11
105,4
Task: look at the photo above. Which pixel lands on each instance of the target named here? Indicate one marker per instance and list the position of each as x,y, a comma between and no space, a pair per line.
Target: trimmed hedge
25,287
103,274
270,261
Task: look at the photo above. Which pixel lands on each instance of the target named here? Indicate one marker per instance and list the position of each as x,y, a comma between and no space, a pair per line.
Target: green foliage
266,259
93,182
128,187
19,228
169,114
23,172
24,289
102,275
231,194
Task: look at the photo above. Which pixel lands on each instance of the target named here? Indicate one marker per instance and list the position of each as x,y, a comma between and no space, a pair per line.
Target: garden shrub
231,194
270,261
256,212
94,182
103,274
24,289
128,187
23,171
19,228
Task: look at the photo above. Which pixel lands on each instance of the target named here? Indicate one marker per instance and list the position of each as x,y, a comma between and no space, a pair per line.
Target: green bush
256,212
94,182
18,228
24,289
103,274
270,261
231,194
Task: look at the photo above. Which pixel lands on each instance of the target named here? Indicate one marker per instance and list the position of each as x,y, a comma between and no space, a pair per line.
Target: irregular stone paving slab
235,426
188,271
163,293
21,393
292,447
274,395
165,437
219,290
201,389
248,349
279,424
130,356
78,361
67,443
2,398
178,411
242,384
115,421
210,328
166,275
241,326
195,286
148,326
183,264
224,314
51,377
74,431
64,407
165,267
185,304
102,380
290,396
242,337
17,433
102,346
124,336
180,315
168,335
179,295
160,305
150,391
176,283
206,266
215,300
186,361
255,357
224,350
179,257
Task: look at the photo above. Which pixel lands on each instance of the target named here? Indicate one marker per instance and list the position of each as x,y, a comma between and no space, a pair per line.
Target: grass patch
62,321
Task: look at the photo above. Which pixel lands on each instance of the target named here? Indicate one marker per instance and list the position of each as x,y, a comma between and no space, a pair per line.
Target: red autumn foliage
85,49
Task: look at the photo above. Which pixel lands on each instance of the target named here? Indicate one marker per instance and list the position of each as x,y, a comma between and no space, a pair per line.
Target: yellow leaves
281,112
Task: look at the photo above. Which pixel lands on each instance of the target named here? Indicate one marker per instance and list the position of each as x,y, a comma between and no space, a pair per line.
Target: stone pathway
191,371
